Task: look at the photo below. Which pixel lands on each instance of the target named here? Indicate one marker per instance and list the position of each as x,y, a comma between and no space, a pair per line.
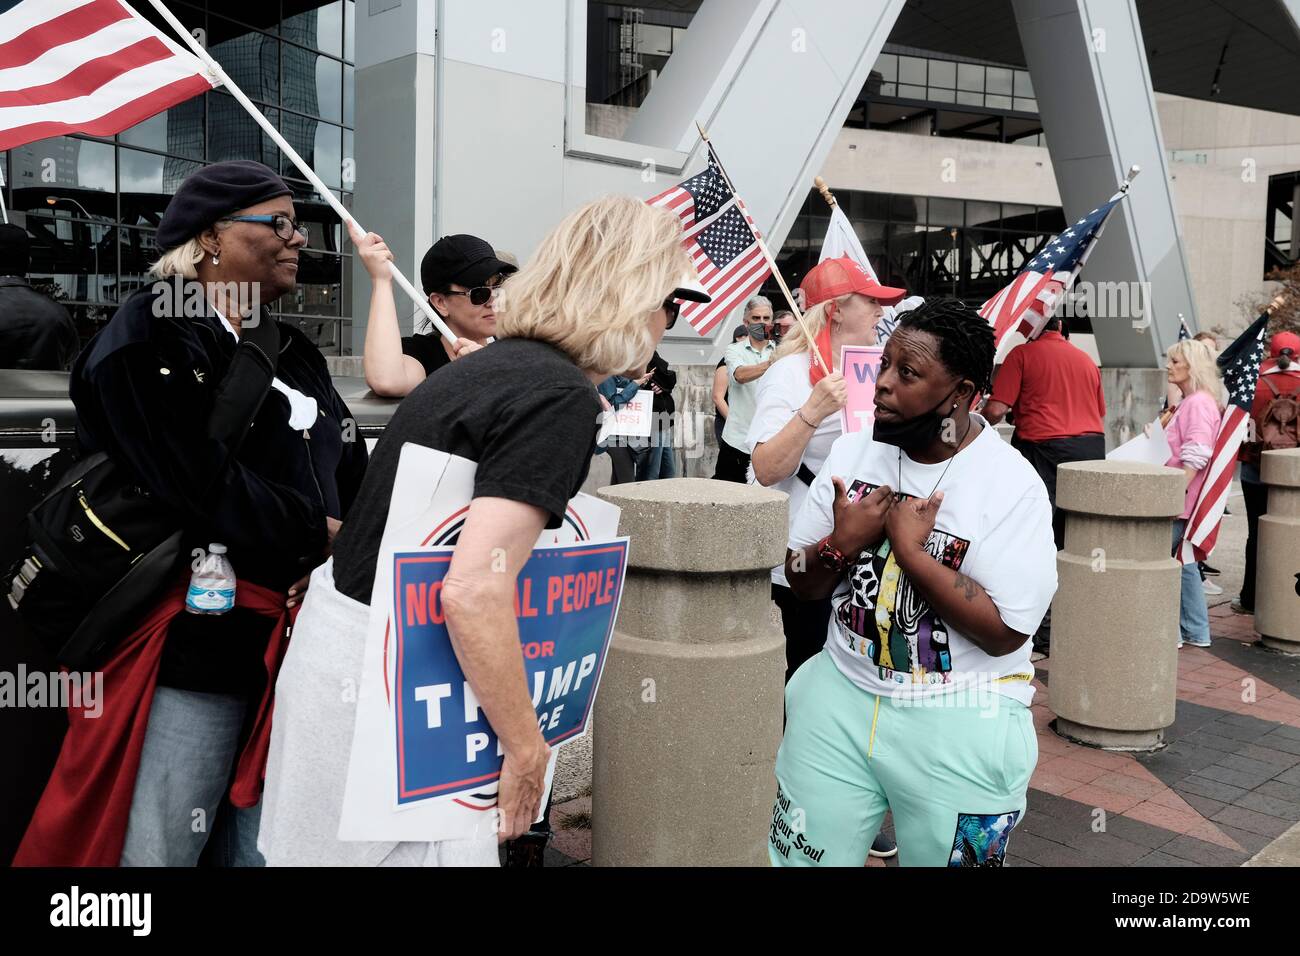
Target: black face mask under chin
914,433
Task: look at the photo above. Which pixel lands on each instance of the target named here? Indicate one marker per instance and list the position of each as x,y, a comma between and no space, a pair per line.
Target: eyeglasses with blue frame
284,226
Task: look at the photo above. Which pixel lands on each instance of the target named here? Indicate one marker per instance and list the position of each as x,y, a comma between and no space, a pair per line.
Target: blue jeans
179,802
1193,615
655,460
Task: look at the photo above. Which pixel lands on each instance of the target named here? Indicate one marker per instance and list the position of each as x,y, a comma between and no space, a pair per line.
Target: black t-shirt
426,348
519,408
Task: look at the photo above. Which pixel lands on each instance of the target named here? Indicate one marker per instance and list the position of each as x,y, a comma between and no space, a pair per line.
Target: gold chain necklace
898,492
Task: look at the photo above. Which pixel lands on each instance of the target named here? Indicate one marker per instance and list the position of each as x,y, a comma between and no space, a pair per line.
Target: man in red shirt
1054,391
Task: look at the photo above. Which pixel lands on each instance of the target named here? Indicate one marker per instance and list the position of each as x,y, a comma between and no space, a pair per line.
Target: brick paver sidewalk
1226,786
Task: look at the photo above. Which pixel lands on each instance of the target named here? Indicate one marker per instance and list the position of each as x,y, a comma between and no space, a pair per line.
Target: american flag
1033,295
1240,366
721,240
86,66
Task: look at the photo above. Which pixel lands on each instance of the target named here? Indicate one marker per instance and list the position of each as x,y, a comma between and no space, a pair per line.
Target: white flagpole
215,68
3,210
771,262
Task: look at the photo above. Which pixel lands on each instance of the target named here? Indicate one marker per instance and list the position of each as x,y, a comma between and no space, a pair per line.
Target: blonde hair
179,261
796,340
1200,365
815,320
594,281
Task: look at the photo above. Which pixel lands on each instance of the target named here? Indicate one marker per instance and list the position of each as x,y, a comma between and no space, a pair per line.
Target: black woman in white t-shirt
933,539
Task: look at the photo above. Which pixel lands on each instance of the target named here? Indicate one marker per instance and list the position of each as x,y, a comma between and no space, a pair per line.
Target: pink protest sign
860,365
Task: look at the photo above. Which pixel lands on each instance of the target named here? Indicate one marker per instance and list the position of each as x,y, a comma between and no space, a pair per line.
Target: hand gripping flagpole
215,69
780,279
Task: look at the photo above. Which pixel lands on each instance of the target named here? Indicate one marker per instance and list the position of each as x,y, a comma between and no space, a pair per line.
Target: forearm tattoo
965,585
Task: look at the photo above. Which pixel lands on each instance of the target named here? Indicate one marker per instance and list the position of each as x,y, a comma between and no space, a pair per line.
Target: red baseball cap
1284,340
836,277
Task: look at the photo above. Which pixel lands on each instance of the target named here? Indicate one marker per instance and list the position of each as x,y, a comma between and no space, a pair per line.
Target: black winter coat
143,391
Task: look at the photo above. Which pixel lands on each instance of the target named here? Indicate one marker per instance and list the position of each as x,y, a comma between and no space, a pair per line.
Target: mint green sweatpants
954,772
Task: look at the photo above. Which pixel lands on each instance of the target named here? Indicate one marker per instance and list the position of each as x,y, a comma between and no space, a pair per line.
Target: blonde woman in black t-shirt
461,275
594,301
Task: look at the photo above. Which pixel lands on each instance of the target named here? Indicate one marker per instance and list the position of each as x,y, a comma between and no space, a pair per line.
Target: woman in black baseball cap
460,275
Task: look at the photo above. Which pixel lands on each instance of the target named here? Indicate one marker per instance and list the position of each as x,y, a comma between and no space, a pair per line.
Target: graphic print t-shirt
994,526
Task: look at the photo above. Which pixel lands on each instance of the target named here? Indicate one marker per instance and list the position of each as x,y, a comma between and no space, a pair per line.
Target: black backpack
100,546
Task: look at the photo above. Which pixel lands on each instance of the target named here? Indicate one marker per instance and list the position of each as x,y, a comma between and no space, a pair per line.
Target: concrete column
396,99
1134,397
689,712
1277,575
1089,66
1115,615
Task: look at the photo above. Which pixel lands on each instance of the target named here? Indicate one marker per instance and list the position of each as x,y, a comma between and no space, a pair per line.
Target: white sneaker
1180,642
1210,587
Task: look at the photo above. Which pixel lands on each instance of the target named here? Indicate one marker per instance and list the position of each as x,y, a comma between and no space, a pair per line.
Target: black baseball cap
465,260
691,289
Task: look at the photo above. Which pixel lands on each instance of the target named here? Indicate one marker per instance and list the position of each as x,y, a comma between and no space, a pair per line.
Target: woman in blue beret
187,697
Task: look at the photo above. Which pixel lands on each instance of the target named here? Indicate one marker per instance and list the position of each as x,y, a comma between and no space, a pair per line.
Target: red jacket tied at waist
82,815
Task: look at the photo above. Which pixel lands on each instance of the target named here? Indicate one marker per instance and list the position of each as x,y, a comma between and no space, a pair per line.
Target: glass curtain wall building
929,245
92,205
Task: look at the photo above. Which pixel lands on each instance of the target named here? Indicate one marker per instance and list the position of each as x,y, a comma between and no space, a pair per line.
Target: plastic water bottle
212,586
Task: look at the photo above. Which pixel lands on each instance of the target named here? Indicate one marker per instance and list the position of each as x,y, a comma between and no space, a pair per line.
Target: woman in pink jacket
1191,432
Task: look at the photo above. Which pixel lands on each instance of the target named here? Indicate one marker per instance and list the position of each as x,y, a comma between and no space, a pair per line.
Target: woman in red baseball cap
797,420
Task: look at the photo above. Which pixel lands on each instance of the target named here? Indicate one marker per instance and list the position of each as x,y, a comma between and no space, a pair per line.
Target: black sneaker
1206,569
528,850
883,847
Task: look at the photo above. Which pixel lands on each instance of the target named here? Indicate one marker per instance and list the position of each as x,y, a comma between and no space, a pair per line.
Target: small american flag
86,66
1240,365
1032,297
721,240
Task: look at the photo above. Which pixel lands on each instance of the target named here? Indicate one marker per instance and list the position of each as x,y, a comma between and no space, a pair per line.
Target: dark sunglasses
479,295
673,308
284,226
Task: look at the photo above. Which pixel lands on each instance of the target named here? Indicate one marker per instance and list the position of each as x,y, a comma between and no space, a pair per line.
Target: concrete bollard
688,718
1277,568
1115,616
